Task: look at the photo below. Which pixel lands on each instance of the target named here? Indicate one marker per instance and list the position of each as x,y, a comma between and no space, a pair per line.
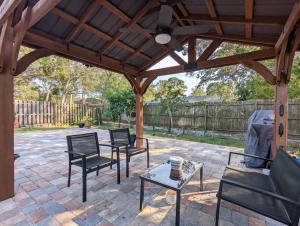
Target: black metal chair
276,196
126,144
84,151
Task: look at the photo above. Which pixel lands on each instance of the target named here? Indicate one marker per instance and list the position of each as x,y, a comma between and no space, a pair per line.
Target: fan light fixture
163,38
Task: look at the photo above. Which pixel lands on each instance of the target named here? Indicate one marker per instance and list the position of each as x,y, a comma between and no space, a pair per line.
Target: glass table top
162,174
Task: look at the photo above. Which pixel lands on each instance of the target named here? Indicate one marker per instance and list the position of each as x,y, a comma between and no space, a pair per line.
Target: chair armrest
146,139
76,153
248,155
110,145
258,190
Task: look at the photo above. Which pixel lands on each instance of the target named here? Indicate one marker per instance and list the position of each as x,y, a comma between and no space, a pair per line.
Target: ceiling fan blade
175,44
190,30
165,16
137,30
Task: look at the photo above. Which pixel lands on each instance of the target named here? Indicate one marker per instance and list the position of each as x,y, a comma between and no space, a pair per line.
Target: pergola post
284,62
139,118
6,114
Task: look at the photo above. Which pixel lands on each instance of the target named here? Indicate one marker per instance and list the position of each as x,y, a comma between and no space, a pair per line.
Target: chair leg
218,211
148,159
97,171
69,176
127,164
83,184
111,159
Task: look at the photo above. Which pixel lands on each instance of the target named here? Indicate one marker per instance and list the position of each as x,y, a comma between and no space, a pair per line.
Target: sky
168,61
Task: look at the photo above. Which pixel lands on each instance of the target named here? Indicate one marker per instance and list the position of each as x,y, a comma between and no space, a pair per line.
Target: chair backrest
285,173
120,137
87,144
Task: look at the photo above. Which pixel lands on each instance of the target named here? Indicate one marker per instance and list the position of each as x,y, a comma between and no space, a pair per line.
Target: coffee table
160,175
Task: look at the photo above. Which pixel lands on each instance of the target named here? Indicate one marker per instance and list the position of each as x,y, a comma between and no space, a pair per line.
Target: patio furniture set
276,195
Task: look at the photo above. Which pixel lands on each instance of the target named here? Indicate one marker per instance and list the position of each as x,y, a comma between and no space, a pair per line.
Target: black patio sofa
84,152
276,195
126,143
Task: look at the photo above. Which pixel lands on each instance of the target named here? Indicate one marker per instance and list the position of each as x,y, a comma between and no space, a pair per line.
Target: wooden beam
262,70
78,53
259,20
159,57
130,21
39,10
7,8
98,33
191,50
184,11
86,15
177,58
257,41
289,26
249,5
213,14
6,28
219,62
29,58
147,83
209,50
18,37
6,116
294,46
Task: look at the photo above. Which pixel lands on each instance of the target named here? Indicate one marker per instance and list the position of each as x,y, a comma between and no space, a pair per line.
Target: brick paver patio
43,198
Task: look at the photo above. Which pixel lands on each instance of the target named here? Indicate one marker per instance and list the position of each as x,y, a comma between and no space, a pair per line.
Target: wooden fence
36,113
223,117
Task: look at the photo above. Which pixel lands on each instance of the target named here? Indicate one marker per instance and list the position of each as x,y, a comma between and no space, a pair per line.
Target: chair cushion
259,203
93,162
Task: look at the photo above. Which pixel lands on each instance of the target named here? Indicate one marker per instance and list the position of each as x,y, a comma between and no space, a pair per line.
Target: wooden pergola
88,31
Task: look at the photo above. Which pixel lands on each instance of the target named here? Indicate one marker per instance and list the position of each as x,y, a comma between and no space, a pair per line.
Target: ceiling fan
164,33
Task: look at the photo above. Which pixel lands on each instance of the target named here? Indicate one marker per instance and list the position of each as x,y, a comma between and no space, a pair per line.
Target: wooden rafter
209,50
7,8
75,52
83,19
249,5
159,57
261,41
213,14
289,25
184,11
259,20
177,58
262,70
98,33
219,62
130,21
39,10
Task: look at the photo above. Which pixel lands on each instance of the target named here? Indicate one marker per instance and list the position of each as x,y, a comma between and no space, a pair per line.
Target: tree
170,93
225,91
122,101
198,91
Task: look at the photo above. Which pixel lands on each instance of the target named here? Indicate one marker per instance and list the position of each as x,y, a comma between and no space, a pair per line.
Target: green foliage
88,119
121,101
170,93
226,91
198,91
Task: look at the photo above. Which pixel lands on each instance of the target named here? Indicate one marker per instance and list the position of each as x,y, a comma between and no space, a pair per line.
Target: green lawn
28,130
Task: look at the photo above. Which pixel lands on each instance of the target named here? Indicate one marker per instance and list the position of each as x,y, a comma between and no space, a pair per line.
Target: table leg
201,179
142,195
177,222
